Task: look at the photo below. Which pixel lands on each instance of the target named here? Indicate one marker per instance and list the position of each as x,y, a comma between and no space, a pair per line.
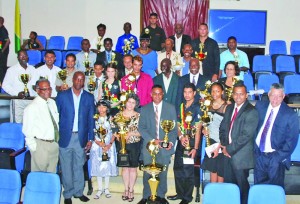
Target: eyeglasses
45,89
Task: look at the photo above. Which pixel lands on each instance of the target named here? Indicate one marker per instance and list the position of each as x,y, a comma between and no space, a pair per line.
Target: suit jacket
147,128
241,149
86,123
169,96
186,39
185,80
119,58
285,131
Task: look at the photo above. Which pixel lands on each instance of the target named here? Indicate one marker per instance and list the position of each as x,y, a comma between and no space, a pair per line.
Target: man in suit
276,139
180,39
108,55
149,127
168,80
193,77
76,128
237,132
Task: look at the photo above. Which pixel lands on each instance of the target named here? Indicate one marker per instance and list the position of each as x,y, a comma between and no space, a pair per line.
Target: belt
44,140
75,132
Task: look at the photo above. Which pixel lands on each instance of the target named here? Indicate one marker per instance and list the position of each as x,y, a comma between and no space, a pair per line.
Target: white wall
80,17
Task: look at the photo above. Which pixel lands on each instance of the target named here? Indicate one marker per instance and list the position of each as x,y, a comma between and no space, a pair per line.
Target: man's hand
214,78
224,150
184,141
193,153
88,146
170,146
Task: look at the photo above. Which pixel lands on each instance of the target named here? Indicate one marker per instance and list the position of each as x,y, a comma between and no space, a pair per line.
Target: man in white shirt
85,56
98,42
49,70
180,39
12,83
40,127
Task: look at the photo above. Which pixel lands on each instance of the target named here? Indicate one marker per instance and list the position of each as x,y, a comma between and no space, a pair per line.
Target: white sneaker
98,194
107,193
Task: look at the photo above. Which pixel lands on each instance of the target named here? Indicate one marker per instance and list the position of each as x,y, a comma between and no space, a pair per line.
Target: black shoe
83,198
184,202
173,197
163,201
68,201
143,201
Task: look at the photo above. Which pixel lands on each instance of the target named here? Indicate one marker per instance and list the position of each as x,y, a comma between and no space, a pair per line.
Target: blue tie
264,133
108,57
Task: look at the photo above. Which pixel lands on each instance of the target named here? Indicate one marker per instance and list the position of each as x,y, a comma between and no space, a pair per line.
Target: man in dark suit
276,139
180,39
149,127
168,80
193,77
237,132
108,55
76,128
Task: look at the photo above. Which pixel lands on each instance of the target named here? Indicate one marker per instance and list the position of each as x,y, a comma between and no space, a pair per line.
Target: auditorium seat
58,61
277,47
265,82
292,89
221,193
262,64
10,188
56,43
266,193
74,43
285,65
43,40
295,48
34,57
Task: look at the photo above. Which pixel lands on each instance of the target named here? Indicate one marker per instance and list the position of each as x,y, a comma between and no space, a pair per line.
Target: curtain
188,12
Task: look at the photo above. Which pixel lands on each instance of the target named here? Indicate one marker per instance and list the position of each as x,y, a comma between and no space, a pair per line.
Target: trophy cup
113,58
62,75
201,55
25,78
229,91
167,126
177,66
123,157
99,44
101,134
153,169
130,80
91,85
188,133
86,61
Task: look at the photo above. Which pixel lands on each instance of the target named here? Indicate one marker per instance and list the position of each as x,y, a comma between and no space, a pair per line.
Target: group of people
244,136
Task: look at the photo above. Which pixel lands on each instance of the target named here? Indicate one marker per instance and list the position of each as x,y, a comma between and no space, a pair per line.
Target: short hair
231,38
240,85
71,55
85,39
189,86
107,40
100,62
127,23
170,40
114,66
236,67
50,52
277,86
105,103
134,97
19,52
128,55
137,58
204,24
153,14
34,33
166,60
40,80
101,26
157,86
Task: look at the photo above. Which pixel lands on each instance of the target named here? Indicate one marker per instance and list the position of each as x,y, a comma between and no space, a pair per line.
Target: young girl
100,168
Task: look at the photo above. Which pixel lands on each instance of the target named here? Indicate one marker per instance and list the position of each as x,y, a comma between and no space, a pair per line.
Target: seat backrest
10,188
262,63
295,48
277,47
295,157
34,57
74,43
221,193
285,64
43,40
42,186
291,84
248,81
56,43
11,136
265,82
266,193
58,61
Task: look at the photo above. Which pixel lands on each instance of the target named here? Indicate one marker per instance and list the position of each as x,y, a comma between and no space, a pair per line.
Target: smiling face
189,94
276,97
239,95
216,92
187,51
157,95
70,62
230,70
102,110
44,90
23,58
203,31
78,80
110,73
194,66
130,104
50,59
165,66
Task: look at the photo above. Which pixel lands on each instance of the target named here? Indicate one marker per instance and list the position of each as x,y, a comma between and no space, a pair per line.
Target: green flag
17,27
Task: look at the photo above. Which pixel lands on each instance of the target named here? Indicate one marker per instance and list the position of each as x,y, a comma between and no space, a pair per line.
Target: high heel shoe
130,196
125,195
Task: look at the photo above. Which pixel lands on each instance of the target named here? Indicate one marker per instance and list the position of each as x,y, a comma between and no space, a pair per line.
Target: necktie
108,57
157,122
56,133
231,123
265,132
194,81
97,82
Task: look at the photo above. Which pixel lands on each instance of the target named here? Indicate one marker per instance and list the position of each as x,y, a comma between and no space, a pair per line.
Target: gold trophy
113,58
25,78
101,134
130,80
62,75
229,91
188,133
153,169
121,121
86,61
99,44
91,85
177,66
167,126
201,55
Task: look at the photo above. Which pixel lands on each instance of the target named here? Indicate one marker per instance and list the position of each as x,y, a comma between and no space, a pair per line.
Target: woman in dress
100,168
149,56
215,163
32,43
133,143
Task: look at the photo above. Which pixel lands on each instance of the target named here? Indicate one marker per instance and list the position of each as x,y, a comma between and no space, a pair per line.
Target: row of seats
58,42
278,47
41,186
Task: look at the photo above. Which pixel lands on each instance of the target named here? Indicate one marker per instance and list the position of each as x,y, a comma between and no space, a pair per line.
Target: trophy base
165,144
155,201
186,153
123,160
26,94
105,157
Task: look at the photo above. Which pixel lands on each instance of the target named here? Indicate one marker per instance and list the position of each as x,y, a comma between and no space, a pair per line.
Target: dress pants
238,177
72,159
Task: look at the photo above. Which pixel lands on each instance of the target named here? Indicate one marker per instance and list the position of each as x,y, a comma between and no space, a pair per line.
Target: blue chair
43,40
262,64
226,193
34,57
295,157
42,186
295,48
266,193
56,43
285,65
65,54
58,61
265,82
12,146
74,43
10,188
277,47
292,89
248,82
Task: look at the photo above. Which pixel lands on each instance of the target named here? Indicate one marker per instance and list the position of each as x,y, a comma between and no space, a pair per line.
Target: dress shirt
120,42
167,81
80,58
76,100
127,72
94,43
241,58
37,121
268,146
159,108
12,83
69,79
50,74
178,43
196,78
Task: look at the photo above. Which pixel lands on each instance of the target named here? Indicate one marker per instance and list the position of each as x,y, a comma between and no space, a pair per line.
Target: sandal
98,194
107,193
125,195
130,196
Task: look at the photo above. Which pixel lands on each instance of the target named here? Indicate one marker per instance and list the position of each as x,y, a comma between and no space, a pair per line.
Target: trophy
113,58
91,85
123,99
123,157
99,44
86,61
153,169
62,75
188,133
129,81
128,45
167,126
177,66
101,134
229,90
201,55
25,78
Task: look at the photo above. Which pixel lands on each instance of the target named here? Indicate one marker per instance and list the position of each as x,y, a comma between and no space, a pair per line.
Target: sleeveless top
217,117
33,45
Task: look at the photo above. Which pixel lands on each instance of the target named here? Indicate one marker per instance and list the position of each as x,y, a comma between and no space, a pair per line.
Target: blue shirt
80,58
120,42
149,62
76,100
241,58
186,68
